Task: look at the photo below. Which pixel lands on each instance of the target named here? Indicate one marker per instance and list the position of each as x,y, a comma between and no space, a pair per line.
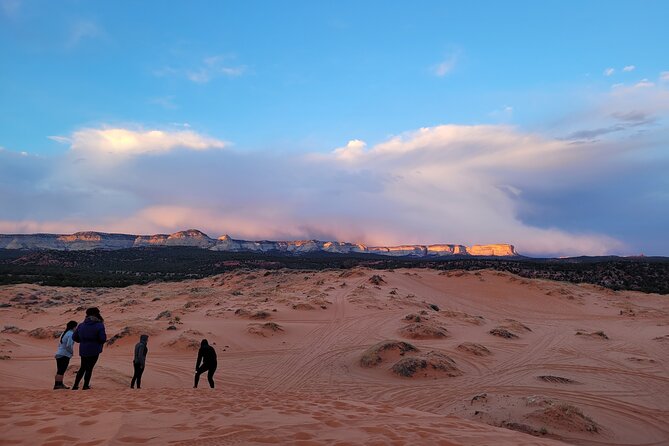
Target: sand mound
12,329
43,333
431,365
593,335
265,330
303,307
414,317
524,428
261,314
130,331
189,340
384,351
565,417
556,379
420,330
352,273
474,349
515,326
503,333
376,280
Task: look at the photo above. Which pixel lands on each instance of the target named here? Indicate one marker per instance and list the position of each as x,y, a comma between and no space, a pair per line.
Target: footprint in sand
87,422
47,430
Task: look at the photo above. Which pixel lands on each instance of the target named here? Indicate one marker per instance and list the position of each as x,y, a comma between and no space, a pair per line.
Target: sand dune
585,365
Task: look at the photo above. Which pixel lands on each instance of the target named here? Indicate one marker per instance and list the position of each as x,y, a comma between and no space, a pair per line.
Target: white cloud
213,67
609,71
664,76
446,66
629,68
124,142
60,139
643,83
352,150
84,29
447,183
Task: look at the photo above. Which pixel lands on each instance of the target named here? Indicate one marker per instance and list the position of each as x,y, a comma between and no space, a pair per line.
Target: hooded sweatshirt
141,350
206,355
91,336
65,345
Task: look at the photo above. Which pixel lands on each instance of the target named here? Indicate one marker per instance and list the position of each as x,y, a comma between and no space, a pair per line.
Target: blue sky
275,88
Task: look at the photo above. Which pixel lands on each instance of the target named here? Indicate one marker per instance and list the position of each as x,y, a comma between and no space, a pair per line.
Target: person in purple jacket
91,336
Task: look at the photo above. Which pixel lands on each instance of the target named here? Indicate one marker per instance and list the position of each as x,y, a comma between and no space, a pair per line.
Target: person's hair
94,311
70,326
204,343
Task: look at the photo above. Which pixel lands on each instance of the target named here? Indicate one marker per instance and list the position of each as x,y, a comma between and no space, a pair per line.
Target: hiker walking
141,350
207,356
91,336
64,354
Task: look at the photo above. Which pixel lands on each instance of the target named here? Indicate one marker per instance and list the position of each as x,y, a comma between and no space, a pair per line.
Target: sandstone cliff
194,238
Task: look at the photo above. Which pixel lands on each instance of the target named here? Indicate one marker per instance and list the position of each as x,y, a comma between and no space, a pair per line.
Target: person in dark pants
141,350
64,354
206,356
91,336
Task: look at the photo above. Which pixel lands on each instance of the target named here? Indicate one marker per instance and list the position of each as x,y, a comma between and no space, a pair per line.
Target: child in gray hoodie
141,350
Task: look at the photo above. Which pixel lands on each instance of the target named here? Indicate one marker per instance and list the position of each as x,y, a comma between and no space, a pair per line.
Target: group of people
91,337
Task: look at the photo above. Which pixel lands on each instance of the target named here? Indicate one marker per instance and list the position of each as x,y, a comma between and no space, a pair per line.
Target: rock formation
192,237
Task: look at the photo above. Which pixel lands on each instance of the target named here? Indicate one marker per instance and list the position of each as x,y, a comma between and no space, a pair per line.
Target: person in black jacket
91,336
139,361
206,356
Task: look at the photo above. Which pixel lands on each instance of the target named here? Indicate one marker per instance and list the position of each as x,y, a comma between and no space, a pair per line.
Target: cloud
213,67
447,183
352,150
643,83
121,143
82,30
609,71
446,66
629,68
664,76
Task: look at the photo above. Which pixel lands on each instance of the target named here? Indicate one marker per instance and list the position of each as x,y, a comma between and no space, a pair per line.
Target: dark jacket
206,355
141,350
91,336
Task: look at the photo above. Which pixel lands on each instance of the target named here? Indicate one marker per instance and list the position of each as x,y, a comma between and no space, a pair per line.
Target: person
64,354
141,350
91,336
207,356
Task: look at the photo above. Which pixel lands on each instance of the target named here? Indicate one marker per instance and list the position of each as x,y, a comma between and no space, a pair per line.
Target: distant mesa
89,240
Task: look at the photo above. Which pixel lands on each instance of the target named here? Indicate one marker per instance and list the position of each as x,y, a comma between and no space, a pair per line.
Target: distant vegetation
143,265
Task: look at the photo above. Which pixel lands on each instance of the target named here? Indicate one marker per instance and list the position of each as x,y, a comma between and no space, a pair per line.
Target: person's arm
69,346
142,354
199,359
102,335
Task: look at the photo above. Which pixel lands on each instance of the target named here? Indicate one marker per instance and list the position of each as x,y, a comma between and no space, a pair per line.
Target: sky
541,124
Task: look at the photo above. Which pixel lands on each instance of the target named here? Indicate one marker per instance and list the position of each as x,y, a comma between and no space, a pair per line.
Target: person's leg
203,368
80,373
139,372
89,371
134,376
210,376
61,362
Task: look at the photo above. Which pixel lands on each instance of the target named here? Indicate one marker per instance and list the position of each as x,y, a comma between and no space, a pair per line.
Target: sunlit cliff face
194,238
